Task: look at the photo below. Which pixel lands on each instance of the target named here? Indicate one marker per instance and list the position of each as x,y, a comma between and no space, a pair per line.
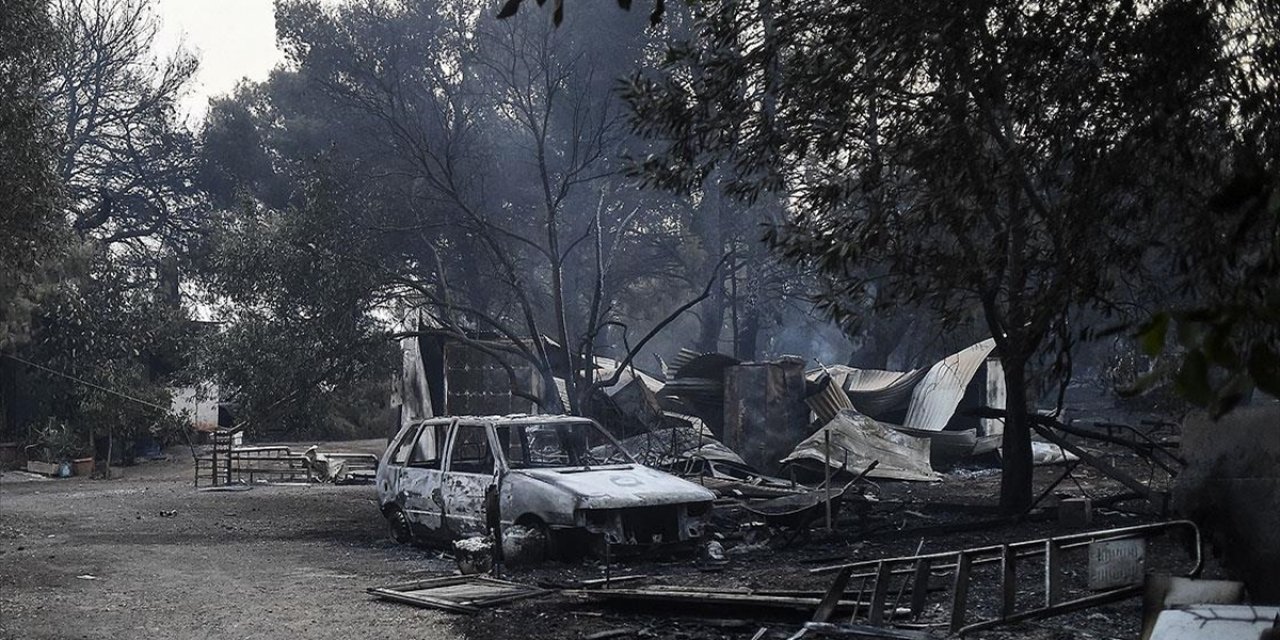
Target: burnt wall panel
765,415
476,383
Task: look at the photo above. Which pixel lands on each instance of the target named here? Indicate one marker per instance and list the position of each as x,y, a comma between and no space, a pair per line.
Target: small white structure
199,403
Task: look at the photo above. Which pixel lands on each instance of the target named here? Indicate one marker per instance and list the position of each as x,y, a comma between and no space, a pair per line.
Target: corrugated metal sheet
883,395
828,402
873,379
855,379
935,398
996,396
562,390
890,400
667,446
706,365
605,367
414,394
857,441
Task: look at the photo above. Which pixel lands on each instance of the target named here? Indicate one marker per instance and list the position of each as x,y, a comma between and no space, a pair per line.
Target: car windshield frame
558,444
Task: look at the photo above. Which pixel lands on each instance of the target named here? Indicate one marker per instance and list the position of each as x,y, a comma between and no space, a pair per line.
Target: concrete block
1075,512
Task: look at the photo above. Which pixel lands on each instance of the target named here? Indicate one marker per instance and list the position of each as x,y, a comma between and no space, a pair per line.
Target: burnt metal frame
961,562
399,593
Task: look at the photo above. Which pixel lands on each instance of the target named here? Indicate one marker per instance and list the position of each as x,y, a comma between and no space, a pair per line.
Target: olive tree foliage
467,169
98,332
121,159
298,347
31,228
1009,156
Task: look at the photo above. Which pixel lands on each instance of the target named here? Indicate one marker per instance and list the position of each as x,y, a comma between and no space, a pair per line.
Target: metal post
920,588
1008,581
960,591
826,435
1052,564
857,602
879,592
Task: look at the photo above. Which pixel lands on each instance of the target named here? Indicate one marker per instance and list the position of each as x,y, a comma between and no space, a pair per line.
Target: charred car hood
619,487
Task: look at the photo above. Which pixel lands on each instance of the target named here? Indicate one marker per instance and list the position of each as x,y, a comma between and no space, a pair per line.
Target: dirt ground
149,555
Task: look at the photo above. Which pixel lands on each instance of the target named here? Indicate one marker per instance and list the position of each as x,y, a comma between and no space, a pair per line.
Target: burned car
564,479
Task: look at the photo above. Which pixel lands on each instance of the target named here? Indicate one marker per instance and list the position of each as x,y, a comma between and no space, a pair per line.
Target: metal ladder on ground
915,574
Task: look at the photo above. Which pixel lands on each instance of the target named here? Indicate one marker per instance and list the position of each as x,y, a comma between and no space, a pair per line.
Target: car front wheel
398,526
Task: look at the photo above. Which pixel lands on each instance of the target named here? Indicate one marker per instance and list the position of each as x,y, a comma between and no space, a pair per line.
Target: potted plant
59,447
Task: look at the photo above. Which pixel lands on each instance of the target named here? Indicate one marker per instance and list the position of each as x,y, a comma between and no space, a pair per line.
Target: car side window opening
429,448
531,445
471,453
556,444
402,448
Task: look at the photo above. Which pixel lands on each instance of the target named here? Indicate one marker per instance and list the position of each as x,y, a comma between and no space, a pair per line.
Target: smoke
811,338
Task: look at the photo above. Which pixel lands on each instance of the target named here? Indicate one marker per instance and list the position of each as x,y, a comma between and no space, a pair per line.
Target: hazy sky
234,38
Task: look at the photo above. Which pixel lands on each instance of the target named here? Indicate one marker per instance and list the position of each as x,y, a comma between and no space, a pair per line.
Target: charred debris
810,464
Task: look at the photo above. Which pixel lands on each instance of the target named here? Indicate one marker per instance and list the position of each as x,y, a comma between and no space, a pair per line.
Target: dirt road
147,556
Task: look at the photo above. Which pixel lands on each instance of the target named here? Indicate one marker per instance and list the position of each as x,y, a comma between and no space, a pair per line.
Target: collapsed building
771,417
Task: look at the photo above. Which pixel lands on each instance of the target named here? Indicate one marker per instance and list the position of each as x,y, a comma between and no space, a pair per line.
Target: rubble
777,446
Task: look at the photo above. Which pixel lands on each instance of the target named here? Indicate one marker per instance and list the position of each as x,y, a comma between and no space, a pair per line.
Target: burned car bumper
646,525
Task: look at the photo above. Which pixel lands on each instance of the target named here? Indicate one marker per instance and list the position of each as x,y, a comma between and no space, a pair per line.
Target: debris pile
787,450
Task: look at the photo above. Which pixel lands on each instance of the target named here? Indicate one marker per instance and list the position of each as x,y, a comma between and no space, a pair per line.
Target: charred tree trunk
551,401
709,225
747,340
711,321
8,398
1016,478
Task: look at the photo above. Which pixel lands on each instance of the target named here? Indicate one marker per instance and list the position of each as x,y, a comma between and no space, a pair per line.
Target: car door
391,468
421,480
471,467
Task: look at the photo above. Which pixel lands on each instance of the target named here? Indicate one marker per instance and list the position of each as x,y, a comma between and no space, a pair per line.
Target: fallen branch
1045,425
1101,465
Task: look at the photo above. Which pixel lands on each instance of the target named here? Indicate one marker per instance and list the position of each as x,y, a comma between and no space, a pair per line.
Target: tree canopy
426,157
1024,158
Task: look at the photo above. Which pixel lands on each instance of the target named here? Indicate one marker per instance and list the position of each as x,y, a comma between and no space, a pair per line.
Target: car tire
528,542
398,526
549,551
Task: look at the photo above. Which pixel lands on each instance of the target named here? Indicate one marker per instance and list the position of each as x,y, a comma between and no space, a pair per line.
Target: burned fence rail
1113,553
231,465
226,465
